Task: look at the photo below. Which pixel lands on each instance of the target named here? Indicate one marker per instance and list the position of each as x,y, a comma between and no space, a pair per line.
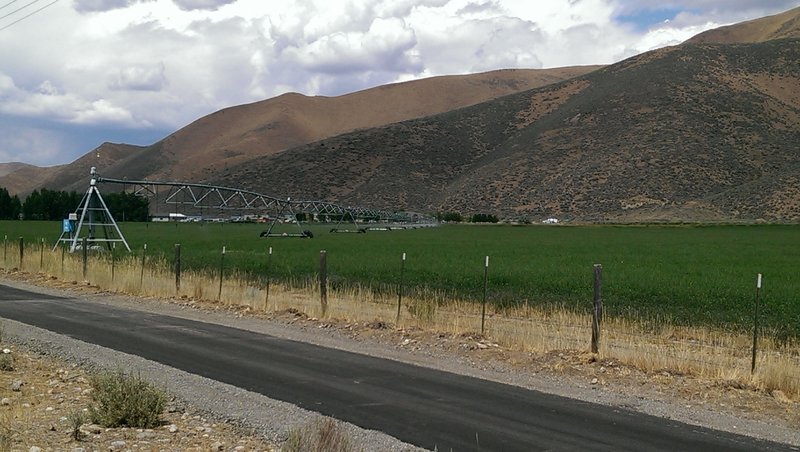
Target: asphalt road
424,407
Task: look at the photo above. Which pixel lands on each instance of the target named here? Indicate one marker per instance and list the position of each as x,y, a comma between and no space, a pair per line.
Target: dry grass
702,352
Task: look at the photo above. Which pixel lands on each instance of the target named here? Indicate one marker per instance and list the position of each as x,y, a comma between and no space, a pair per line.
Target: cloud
138,78
93,6
211,5
112,67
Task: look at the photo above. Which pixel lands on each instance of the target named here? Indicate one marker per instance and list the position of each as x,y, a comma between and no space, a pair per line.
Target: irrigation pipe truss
212,197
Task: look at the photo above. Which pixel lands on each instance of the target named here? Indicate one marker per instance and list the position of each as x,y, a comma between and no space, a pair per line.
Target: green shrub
320,436
125,400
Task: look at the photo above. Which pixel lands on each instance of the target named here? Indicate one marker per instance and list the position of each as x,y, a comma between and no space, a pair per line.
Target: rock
6,351
117,445
49,409
5,401
35,449
172,428
79,449
217,447
146,435
91,429
594,381
16,385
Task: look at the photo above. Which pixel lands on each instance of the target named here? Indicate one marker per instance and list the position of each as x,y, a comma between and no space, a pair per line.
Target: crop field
682,274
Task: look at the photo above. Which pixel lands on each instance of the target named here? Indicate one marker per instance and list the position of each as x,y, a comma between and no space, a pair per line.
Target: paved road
425,407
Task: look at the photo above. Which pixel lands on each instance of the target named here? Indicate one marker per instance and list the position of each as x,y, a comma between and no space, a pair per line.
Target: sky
77,73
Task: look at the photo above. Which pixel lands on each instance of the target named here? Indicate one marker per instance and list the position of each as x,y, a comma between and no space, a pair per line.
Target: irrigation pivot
95,223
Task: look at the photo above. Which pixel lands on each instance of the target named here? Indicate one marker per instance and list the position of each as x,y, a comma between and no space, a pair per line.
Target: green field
684,274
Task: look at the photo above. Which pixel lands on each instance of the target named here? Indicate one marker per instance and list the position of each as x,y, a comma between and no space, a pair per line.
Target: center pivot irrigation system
93,221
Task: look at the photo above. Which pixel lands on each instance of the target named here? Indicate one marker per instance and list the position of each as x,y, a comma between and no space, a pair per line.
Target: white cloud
160,64
138,78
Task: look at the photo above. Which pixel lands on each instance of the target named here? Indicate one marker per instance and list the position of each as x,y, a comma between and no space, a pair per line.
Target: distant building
550,221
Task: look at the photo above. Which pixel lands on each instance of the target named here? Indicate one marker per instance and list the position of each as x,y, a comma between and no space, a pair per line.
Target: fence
729,355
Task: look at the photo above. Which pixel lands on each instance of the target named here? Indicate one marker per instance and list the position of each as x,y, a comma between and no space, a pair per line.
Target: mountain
692,132
252,131
779,26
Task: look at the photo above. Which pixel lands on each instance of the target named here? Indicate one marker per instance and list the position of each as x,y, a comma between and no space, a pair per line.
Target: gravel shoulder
573,374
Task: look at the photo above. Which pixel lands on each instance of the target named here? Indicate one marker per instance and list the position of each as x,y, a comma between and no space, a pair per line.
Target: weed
76,419
320,436
6,362
125,400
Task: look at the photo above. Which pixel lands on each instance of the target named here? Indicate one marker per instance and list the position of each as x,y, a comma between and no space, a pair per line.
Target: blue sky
78,73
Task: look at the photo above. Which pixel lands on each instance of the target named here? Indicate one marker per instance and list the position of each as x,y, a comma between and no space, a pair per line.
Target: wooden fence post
21,251
597,312
323,281
41,254
113,260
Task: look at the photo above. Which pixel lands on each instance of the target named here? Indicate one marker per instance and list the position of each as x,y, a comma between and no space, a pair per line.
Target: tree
49,204
10,206
452,216
127,206
484,218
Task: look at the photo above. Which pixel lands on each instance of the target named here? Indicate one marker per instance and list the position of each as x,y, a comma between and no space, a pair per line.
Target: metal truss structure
204,198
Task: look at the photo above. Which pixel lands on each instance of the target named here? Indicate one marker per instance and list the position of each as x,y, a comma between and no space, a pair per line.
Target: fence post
597,312
485,287
221,273
269,265
755,324
323,281
400,289
21,251
85,251
113,260
177,268
5,251
41,254
141,275
63,253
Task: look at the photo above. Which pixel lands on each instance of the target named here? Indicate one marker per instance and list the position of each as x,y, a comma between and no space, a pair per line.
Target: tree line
54,205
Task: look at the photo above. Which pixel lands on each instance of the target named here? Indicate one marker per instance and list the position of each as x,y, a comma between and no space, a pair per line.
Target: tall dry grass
703,352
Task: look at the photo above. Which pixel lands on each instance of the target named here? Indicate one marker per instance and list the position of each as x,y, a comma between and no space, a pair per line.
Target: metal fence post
177,268
269,266
21,251
85,251
323,281
400,289
597,312
755,324
485,287
221,273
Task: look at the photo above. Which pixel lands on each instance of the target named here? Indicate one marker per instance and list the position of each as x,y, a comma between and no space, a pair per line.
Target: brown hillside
694,132
242,133
21,178
779,26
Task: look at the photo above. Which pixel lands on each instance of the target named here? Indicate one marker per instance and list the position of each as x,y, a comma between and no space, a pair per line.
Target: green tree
49,204
484,218
452,216
10,206
127,206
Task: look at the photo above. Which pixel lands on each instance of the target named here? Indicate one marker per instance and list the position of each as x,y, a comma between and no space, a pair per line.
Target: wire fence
682,349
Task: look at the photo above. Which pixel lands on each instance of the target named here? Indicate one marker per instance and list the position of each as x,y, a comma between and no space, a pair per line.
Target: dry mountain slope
779,26
691,132
237,134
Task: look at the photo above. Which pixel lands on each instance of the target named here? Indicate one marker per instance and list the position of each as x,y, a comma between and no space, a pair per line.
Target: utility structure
95,222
